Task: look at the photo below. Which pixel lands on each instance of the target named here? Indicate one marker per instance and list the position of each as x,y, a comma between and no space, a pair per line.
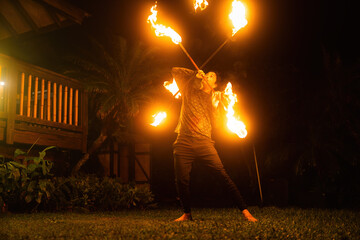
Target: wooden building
38,105
24,17
49,109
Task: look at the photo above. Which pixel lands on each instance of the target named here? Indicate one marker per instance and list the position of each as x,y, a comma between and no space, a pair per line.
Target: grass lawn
274,223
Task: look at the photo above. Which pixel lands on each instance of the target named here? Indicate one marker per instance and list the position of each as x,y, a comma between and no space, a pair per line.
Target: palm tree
121,76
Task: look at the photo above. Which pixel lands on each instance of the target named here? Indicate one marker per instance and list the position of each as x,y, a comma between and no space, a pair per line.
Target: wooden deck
38,105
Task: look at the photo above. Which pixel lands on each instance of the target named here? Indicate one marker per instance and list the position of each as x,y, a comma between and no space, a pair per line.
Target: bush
89,193
26,185
29,187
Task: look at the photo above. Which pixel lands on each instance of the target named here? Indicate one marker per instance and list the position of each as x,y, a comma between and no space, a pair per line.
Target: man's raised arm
182,76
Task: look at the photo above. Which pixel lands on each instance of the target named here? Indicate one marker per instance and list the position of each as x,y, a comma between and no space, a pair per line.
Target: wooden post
70,106
2,98
29,97
76,107
60,103
22,94
84,118
12,76
42,99
49,101
36,96
54,102
65,103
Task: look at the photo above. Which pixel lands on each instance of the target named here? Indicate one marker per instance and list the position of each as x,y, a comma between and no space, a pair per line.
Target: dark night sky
277,28
279,33
277,56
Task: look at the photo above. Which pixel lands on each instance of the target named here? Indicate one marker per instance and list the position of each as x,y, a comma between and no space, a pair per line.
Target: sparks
235,125
173,88
201,4
161,30
237,16
158,118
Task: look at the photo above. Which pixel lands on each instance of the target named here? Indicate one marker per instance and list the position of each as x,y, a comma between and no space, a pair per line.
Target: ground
222,223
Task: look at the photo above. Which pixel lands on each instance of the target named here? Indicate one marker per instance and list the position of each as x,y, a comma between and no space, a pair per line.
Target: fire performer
194,142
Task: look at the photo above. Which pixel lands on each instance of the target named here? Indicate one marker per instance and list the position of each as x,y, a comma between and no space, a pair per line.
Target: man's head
211,78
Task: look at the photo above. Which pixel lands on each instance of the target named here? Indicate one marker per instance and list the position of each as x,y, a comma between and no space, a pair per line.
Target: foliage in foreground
28,186
91,193
274,223
25,181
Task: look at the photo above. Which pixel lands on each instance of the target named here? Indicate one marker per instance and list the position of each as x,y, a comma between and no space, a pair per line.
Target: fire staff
194,142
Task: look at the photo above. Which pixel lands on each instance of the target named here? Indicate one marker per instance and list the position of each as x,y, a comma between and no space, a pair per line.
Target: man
194,136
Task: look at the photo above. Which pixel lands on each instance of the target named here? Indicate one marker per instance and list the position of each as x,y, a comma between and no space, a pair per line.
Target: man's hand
216,98
200,74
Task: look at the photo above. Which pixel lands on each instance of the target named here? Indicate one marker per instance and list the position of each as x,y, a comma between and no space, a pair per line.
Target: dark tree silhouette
121,76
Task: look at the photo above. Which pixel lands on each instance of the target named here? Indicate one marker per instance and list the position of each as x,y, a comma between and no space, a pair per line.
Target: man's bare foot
184,217
248,216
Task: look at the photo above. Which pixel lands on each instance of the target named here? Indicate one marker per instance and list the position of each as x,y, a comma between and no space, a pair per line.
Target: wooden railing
39,105
48,102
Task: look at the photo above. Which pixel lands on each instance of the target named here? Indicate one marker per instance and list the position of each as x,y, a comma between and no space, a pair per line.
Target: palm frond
120,76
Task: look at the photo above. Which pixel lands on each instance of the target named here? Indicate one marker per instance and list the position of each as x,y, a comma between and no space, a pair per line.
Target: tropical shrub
25,185
90,193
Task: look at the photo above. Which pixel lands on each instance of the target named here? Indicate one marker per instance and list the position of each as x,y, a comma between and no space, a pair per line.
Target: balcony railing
38,105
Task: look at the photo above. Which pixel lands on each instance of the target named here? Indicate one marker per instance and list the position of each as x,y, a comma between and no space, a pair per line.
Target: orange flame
158,118
173,88
235,125
237,16
202,4
161,30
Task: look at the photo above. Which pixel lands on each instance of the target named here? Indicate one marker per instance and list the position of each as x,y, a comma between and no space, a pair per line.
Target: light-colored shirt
197,111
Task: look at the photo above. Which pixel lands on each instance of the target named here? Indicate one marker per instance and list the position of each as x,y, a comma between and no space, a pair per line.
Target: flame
173,88
237,16
161,30
158,117
202,4
235,125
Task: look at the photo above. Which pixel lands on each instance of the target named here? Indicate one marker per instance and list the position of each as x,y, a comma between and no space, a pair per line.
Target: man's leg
210,158
184,158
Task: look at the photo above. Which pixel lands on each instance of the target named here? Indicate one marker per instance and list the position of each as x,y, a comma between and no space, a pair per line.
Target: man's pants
186,150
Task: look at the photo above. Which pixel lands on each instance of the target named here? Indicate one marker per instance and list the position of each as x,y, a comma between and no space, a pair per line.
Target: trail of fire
158,118
174,89
235,125
237,16
160,30
200,4
238,19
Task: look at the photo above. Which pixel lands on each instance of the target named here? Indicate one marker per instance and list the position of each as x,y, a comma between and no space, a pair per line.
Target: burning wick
161,30
158,117
235,125
173,88
238,19
237,16
202,4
